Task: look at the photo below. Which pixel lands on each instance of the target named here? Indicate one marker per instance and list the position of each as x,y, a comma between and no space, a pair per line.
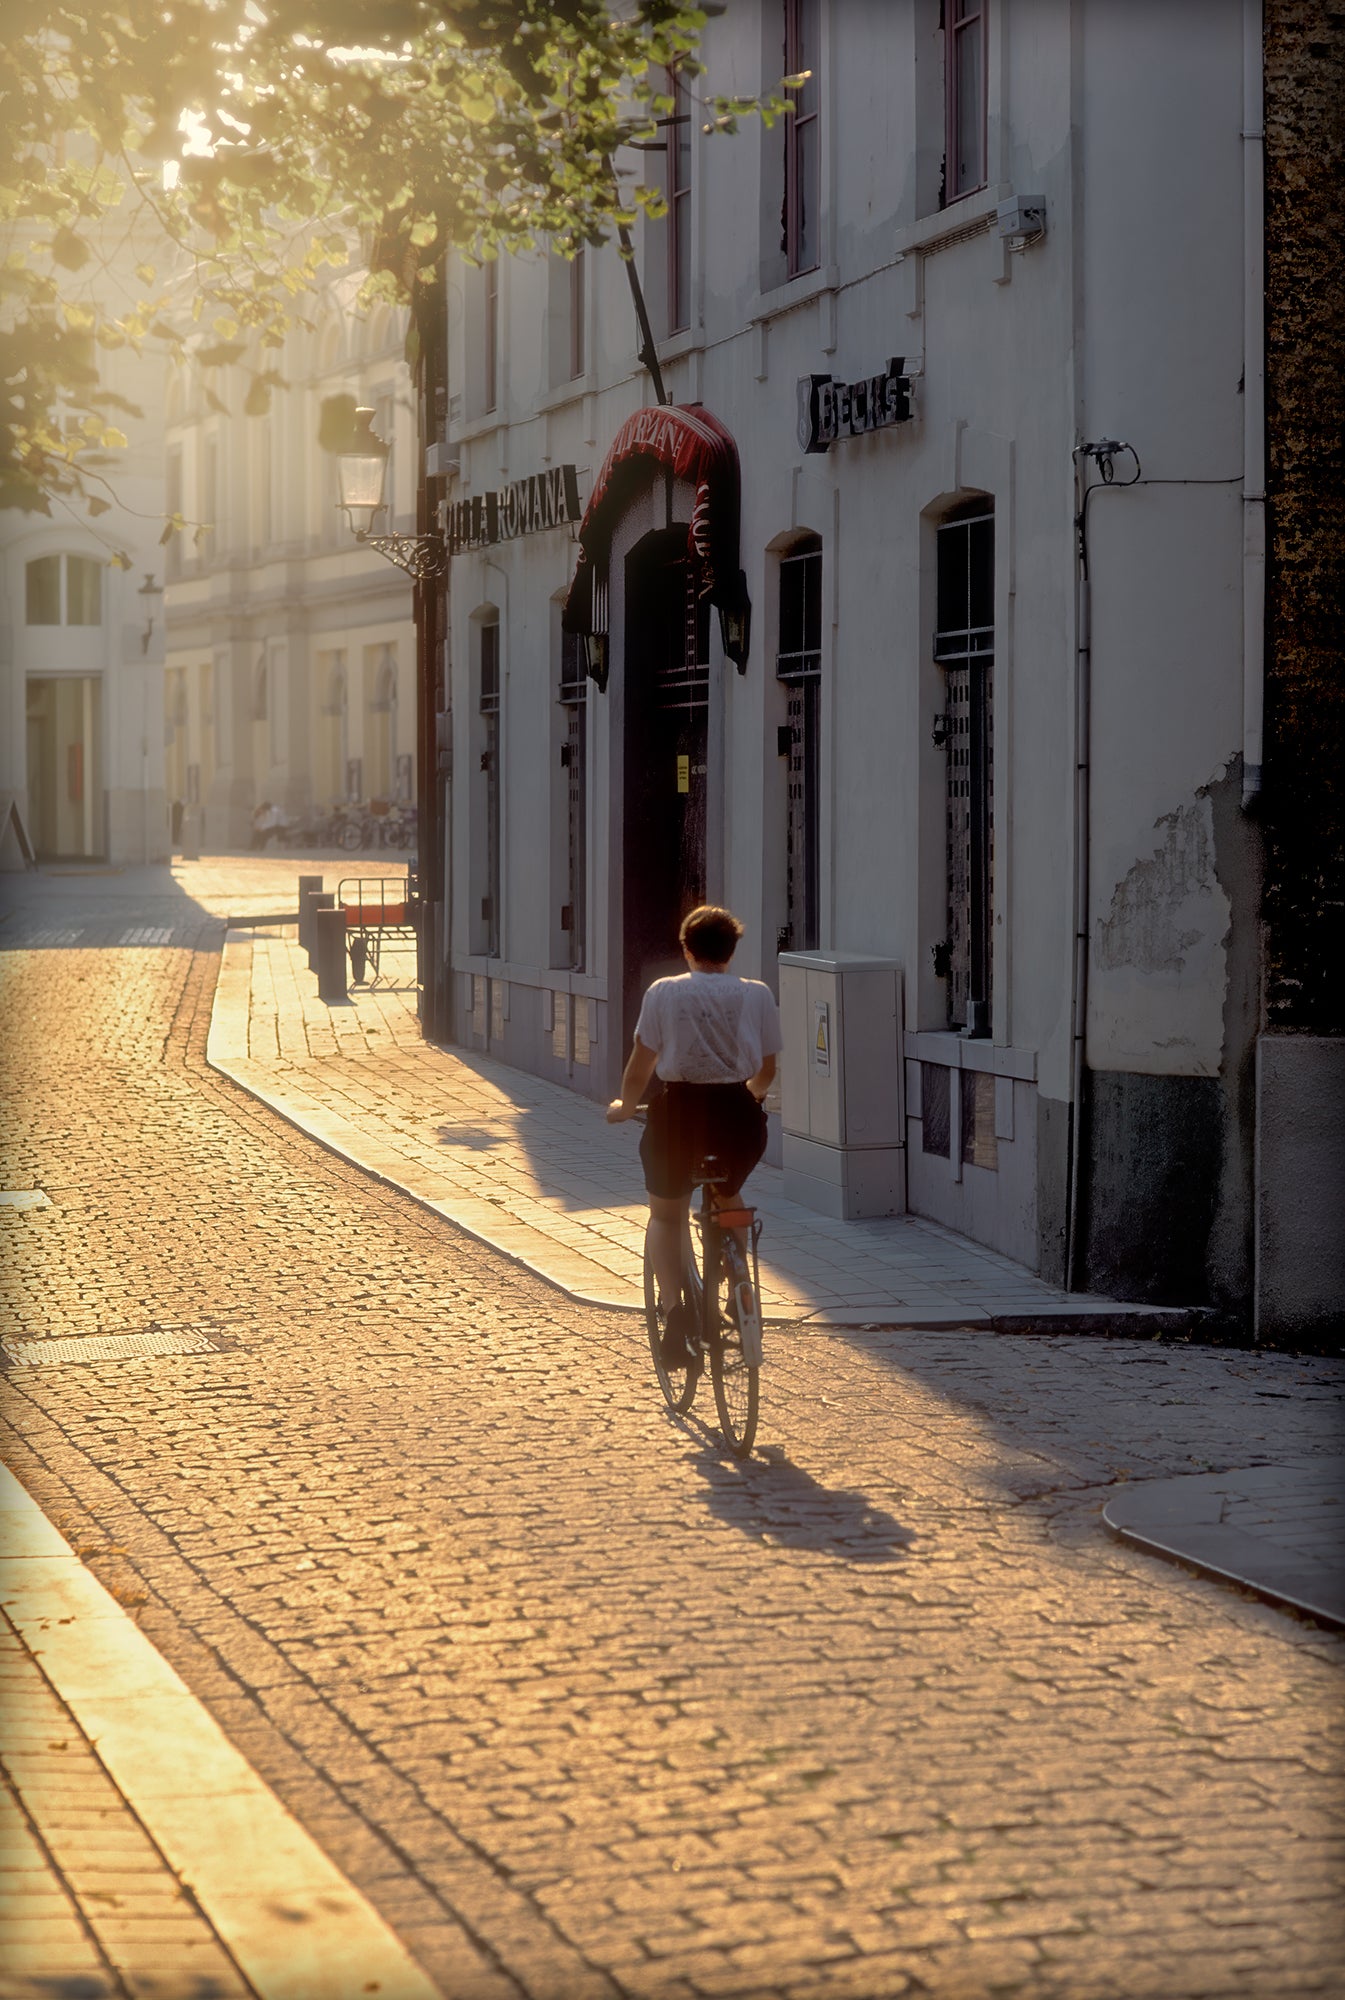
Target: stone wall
1305,419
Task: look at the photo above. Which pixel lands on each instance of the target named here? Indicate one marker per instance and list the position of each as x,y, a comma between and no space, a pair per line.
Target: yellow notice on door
684,774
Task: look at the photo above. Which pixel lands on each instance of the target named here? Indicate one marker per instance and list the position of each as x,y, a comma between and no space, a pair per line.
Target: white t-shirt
709,1027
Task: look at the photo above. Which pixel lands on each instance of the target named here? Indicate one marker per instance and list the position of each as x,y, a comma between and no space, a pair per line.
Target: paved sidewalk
141,1853
1277,1530
535,1170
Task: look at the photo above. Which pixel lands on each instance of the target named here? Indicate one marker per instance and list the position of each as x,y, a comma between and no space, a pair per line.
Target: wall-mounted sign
829,410
542,500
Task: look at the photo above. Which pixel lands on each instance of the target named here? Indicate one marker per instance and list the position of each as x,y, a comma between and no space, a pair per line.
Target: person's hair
711,933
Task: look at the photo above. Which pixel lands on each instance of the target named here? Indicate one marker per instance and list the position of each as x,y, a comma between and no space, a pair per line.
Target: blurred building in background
290,667
82,635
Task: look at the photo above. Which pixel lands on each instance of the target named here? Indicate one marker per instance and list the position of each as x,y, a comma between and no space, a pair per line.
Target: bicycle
724,1293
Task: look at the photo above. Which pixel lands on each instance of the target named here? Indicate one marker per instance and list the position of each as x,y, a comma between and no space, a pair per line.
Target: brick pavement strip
580,1706
212,1885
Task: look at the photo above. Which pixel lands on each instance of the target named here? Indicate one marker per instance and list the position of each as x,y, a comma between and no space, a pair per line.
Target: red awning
686,441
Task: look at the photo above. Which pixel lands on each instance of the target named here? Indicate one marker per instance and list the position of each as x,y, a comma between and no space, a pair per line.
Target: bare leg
665,1233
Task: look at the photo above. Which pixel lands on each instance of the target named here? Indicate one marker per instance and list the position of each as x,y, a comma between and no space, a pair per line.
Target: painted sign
684,774
830,410
542,500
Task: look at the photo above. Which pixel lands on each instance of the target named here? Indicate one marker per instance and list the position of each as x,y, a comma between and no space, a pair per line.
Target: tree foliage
226,149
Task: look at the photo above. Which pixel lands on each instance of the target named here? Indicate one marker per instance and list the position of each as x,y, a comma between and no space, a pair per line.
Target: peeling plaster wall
1161,937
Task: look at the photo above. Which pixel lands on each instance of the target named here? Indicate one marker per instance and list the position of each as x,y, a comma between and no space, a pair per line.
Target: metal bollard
330,927
307,882
318,899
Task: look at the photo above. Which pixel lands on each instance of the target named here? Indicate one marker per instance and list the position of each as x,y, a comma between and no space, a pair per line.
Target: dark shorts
688,1120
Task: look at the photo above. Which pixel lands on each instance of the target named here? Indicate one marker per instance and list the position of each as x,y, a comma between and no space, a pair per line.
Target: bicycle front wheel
736,1380
678,1384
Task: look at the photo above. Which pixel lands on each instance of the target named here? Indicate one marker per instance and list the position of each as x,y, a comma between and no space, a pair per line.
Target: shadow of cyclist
780,1505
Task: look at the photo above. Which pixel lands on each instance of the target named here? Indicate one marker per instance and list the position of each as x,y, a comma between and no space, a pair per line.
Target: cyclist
712,1039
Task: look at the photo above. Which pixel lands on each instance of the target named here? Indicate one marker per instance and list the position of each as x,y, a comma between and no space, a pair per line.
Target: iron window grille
798,665
573,696
964,649
490,765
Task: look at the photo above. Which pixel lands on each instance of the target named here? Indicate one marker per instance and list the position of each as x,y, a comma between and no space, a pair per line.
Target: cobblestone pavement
580,1706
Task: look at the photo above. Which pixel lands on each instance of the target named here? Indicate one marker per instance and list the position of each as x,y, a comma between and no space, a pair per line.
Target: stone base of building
1300,1186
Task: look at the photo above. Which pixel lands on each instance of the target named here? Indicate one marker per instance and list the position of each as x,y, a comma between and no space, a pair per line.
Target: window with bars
574,764
964,61
489,704
964,647
799,238
798,664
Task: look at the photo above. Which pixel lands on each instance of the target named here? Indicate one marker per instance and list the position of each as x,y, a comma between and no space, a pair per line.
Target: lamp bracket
424,557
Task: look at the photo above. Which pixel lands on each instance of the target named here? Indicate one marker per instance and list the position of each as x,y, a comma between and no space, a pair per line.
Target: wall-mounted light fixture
149,590
361,470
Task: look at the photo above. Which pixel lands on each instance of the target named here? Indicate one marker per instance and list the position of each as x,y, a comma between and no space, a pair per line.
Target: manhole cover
24,1198
103,1347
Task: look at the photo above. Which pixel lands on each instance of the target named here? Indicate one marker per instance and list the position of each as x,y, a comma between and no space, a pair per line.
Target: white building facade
291,651
988,737
82,649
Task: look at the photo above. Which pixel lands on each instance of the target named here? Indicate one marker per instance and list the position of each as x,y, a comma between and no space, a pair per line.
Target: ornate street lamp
361,469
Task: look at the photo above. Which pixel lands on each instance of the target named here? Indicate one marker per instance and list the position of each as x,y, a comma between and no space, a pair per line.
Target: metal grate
102,1347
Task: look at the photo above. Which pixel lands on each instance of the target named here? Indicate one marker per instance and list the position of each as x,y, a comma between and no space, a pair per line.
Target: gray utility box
843,1130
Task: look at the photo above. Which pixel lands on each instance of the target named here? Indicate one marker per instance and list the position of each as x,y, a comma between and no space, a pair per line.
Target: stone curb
294,1925
1181,1521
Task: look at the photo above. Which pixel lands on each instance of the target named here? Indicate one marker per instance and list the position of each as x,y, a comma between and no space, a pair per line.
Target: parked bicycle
723,1290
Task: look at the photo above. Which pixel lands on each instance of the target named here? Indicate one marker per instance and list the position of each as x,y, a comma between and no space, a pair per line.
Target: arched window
798,664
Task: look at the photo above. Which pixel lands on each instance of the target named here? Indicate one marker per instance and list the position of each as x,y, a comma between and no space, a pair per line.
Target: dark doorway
667,691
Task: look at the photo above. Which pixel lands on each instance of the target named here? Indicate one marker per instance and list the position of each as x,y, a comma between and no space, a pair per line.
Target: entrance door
65,780
667,683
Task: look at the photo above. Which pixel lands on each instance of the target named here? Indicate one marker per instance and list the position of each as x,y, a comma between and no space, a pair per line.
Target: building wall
1124,322
291,663
81,746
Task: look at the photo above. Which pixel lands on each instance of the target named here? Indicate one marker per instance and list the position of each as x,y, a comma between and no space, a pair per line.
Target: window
578,329
799,666
803,147
44,591
385,427
209,495
173,505
964,646
678,139
490,333
964,79
490,766
574,763
64,590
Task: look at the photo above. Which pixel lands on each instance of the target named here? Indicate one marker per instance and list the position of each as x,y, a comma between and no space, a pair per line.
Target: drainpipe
1254,401
1083,688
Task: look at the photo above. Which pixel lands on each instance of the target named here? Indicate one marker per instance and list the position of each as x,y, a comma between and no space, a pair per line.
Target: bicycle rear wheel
678,1384
736,1381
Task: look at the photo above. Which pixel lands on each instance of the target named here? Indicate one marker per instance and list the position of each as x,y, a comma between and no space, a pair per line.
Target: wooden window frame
957,29
679,208
798,58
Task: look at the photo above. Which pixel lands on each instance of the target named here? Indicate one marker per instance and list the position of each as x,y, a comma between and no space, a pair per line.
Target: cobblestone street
582,1707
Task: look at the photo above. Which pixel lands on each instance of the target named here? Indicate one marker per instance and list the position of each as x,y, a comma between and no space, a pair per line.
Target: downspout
1254,401
1083,689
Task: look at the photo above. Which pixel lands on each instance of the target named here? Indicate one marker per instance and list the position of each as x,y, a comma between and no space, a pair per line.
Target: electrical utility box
842,1120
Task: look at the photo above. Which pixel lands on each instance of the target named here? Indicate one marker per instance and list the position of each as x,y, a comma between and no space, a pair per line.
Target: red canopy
686,441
